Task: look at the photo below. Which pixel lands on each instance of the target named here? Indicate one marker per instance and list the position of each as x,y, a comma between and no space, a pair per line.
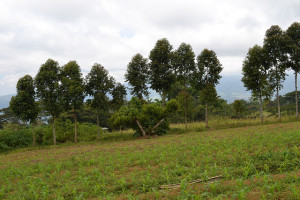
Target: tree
98,85
118,96
184,63
256,76
144,118
23,105
275,45
47,82
72,89
137,76
6,116
207,76
239,107
161,75
294,50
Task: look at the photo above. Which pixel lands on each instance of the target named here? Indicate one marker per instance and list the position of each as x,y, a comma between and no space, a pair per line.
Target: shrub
13,139
144,118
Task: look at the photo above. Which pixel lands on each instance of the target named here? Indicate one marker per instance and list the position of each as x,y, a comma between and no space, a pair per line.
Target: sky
111,32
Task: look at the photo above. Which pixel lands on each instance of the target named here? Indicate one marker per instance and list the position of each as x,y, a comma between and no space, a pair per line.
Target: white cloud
110,32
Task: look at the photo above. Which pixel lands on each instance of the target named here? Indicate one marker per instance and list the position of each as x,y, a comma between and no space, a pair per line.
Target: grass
256,162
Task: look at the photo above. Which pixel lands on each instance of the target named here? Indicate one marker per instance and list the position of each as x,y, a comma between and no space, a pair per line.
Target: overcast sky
110,32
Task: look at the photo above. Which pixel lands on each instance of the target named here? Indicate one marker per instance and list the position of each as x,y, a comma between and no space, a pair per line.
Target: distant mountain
4,100
230,88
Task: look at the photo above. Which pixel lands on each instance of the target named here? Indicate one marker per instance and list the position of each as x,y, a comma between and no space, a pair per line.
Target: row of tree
167,67
264,68
60,89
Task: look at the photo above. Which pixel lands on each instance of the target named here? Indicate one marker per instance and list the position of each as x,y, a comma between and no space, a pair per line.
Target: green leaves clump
144,118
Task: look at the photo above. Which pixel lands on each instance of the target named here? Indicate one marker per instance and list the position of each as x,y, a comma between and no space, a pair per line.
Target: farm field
255,162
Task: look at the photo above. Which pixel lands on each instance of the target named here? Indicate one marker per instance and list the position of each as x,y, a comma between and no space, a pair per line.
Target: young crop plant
144,118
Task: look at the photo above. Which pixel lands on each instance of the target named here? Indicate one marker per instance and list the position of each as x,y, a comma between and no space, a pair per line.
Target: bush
150,116
13,139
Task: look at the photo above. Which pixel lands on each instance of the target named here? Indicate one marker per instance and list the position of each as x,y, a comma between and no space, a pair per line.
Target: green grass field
256,162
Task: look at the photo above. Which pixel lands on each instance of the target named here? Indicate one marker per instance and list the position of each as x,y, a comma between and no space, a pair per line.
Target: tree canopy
161,76
137,76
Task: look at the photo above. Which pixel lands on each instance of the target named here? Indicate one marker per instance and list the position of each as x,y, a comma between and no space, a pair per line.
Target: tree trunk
261,110
163,98
296,89
278,103
185,107
206,116
98,124
33,135
141,128
75,118
53,130
157,125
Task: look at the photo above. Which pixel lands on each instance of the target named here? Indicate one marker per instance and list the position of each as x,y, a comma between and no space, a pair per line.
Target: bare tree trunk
75,118
206,116
278,103
261,110
53,130
296,94
33,135
185,107
163,98
98,125
140,126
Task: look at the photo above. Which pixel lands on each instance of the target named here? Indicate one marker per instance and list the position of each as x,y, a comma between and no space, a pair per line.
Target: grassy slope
256,162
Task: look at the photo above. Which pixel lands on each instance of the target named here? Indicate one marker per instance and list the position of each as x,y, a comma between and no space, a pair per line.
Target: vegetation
48,90
255,162
98,85
256,154
137,76
23,105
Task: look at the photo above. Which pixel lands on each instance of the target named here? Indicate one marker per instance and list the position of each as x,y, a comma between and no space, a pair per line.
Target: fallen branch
171,186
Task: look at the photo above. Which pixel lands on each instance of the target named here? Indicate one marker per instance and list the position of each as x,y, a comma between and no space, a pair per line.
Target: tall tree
23,105
137,76
275,45
47,82
256,76
118,96
98,85
294,50
161,75
184,63
72,89
207,75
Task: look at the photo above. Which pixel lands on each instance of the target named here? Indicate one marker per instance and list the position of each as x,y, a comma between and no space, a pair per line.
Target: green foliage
276,49
161,75
23,105
10,139
47,86
137,76
72,89
255,73
183,62
239,107
256,161
119,96
149,115
293,32
7,116
208,69
98,85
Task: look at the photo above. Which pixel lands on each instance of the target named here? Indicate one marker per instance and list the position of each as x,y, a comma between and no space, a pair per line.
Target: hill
257,162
